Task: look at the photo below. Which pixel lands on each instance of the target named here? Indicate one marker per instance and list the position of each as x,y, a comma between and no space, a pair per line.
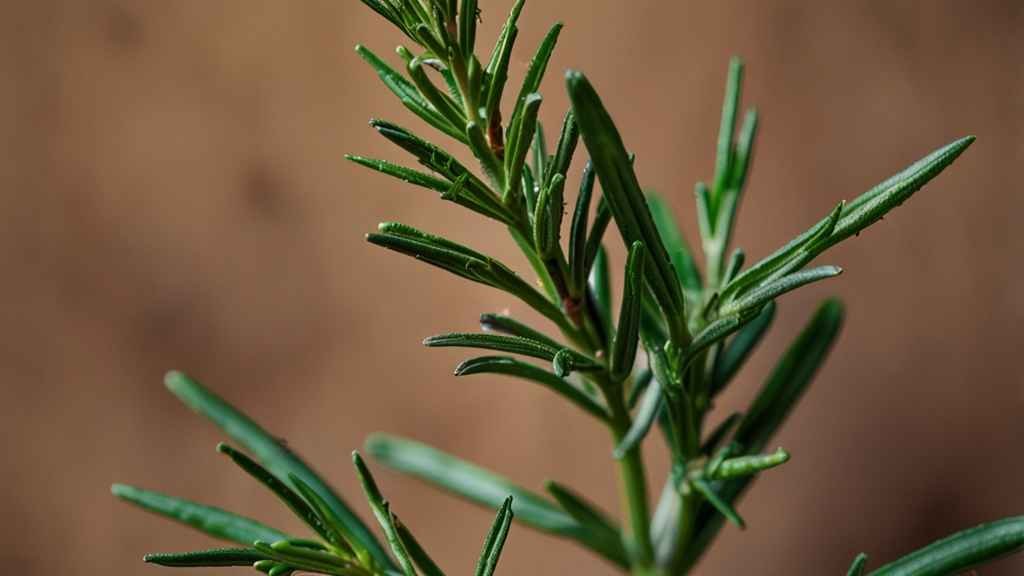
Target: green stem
634,493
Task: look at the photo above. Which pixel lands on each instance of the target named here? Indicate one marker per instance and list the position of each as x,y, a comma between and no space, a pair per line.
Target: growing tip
175,380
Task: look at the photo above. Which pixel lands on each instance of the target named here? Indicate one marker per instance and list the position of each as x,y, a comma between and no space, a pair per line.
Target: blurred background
173,195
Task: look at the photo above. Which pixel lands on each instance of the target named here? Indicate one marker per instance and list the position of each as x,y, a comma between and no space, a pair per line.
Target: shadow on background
174,196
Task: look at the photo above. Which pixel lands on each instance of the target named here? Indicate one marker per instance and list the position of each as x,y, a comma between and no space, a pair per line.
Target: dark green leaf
961,551
519,137
508,325
497,69
213,521
271,453
280,489
410,97
603,532
547,228
512,367
207,558
382,511
335,529
535,72
757,298
423,560
495,540
467,27
479,486
567,141
463,262
578,231
625,199
540,154
627,336
512,345
601,284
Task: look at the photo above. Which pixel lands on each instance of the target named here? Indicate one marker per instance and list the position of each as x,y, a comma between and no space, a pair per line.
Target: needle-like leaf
482,487
283,491
599,525
718,502
419,556
513,345
213,521
535,73
627,337
625,198
462,261
382,511
410,96
217,557
269,451
959,552
512,367
757,298
495,541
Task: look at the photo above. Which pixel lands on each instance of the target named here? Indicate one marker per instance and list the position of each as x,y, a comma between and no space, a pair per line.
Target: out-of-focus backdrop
173,195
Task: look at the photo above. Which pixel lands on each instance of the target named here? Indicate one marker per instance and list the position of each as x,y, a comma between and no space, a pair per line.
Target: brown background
174,196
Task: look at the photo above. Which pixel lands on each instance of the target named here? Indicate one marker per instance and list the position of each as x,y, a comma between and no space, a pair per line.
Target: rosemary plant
679,336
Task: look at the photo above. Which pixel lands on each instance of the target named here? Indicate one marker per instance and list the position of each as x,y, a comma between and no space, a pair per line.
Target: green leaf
382,511
601,285
650,406
567,142
467,27
744,152
539,148
480,486
410,96
482,198
495,540
726,152
520,135
871,206
578,231
462,261
507,325
749,465
497,70
757,298
512,367
283,491
604,532
785,260
857,568
625,199
207,558
547,229
336,533
512,345
961,551
535,72
423,560
307,559
627,337
213,521
737,351
278,459
678,249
